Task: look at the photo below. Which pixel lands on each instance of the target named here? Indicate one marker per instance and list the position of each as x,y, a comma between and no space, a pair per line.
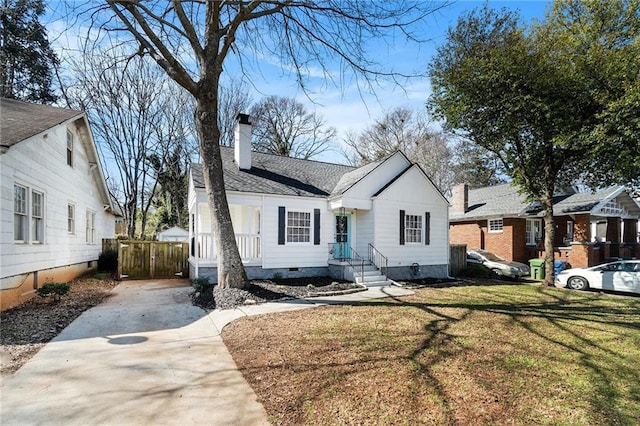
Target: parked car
497,266
623,275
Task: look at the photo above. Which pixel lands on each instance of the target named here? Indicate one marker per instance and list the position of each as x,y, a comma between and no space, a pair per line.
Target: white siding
416,195
294,255
40,163
364,231
359,196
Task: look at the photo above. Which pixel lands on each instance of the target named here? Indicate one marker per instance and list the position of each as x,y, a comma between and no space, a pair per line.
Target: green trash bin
537,269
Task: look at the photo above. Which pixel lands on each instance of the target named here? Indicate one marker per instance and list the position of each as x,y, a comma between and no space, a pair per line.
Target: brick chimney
460,198
242,143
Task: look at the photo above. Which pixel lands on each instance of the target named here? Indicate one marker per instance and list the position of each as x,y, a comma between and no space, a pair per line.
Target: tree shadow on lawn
571,321
575,330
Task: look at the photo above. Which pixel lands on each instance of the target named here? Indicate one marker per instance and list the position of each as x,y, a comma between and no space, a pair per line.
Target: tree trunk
549,237
231,273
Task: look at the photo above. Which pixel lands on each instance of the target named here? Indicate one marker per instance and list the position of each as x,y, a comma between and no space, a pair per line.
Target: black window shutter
282,225
427,228
316,227
401,227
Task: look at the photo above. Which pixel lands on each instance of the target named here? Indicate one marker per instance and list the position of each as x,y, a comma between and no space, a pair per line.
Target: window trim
309,228
419,228
71,219
90,227
23,214
69,150
37,222
535,236
492,225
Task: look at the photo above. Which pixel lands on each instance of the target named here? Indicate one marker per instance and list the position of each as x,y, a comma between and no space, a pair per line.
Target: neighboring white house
300,218
174,234
55,207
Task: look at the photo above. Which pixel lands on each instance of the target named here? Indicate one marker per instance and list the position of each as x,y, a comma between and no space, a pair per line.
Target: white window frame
71,218
90,227
532,237
69,149
495,226
413,227
299,227
37,217
20,213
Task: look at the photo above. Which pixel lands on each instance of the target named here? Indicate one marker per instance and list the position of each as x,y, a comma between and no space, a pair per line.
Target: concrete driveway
146,356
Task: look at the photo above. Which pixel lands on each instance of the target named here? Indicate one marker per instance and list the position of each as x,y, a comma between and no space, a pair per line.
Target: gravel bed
29,326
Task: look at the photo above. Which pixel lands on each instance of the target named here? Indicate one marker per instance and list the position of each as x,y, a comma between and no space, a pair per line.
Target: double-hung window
298,227
20,216
37,217
28,215
69,148
90,228
71,218
412,229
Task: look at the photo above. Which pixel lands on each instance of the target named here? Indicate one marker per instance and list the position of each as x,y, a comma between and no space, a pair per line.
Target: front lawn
507,354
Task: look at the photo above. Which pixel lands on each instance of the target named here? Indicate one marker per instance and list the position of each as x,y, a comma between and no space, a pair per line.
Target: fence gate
457,258
152,259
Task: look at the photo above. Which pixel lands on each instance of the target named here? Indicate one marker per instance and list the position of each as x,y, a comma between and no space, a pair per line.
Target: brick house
590,227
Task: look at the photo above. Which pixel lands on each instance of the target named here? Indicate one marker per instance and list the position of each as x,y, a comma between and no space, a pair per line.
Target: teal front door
341,249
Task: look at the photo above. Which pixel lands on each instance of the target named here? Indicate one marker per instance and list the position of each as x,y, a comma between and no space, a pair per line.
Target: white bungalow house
55,207
301,218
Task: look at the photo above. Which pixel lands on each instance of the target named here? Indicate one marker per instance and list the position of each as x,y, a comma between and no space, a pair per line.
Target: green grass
468,355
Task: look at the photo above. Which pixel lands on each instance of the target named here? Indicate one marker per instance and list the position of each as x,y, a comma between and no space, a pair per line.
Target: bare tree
476,165
405,130
130,105
192,40
233,99
283,126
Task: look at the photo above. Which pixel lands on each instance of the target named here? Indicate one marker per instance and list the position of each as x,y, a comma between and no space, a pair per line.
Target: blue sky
346,108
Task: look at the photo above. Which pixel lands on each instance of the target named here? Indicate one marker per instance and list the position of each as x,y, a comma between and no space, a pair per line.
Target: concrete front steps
371,277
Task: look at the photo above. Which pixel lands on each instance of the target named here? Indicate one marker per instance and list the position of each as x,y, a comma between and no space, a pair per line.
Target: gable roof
21,120
275,174
505,201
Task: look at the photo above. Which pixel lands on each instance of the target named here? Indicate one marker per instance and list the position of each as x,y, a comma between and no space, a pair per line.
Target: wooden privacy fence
150,259
457,258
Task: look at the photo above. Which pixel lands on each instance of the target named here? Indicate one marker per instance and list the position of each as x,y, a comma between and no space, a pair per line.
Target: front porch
246,222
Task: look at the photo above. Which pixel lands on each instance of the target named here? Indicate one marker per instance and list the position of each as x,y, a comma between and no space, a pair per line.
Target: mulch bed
260,291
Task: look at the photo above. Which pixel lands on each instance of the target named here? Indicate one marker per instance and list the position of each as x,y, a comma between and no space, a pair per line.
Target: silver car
498,267
623,275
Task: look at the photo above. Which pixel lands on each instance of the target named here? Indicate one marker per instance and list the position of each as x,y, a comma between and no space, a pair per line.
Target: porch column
630,231
581,228
196,238
613,229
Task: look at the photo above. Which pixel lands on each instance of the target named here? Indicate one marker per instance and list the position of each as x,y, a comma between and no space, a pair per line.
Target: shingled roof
499,200
21,120
275,174
505,201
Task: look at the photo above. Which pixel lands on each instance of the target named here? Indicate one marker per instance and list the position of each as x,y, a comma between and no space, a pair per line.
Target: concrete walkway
145,356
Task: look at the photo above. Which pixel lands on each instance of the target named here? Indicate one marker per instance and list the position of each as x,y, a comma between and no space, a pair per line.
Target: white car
623,275
498,267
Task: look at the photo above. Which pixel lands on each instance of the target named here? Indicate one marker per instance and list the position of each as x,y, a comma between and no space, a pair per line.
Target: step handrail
353,258
379,260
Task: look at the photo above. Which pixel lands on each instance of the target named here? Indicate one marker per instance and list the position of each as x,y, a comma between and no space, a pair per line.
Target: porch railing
249,246
379,260
345,253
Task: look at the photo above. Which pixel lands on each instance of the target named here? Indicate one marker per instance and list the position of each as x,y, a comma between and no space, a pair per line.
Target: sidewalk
146,356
